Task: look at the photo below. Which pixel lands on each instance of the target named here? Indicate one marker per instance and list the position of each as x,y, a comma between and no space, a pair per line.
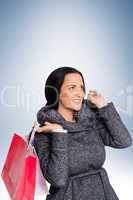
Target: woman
72,136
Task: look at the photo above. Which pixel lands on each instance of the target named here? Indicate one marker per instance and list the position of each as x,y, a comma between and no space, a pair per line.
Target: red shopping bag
19,171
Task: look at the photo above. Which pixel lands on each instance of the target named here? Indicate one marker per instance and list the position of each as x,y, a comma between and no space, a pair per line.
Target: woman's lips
77,100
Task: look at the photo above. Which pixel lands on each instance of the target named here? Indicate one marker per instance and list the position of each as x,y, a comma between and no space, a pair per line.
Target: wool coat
72,162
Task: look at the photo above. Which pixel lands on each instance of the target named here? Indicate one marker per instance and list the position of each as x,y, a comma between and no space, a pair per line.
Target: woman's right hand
49,127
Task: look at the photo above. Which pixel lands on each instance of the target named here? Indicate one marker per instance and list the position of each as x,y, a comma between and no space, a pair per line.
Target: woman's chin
77,108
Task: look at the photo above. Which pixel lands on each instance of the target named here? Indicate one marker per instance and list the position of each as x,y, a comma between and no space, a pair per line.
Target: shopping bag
42,186
21,172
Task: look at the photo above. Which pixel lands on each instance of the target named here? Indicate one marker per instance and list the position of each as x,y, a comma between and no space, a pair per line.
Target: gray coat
72,162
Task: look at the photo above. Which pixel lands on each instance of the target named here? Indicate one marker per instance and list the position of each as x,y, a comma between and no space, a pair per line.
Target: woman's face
71,93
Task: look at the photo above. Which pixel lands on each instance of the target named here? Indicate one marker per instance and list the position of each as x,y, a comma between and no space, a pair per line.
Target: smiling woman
71,95
72,136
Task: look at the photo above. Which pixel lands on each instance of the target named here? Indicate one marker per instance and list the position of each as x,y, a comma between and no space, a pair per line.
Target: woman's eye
71,88
82,87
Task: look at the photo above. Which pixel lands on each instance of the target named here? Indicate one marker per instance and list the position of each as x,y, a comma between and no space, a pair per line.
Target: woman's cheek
64,97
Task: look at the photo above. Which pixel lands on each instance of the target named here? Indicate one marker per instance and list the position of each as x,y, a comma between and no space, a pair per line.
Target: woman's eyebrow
73,84
70,84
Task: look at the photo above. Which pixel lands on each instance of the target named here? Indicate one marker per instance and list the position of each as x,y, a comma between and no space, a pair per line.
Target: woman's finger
42,129
34,124
93,92
47,123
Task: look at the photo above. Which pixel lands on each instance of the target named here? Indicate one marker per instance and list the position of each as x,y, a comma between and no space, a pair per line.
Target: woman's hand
49,127
97,98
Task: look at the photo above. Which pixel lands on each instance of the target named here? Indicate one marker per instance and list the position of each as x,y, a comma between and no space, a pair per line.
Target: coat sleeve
111,128
53,156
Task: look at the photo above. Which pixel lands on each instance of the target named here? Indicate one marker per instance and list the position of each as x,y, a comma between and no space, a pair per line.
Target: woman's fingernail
38,130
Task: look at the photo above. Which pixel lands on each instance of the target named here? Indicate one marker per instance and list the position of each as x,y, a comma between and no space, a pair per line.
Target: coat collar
85,117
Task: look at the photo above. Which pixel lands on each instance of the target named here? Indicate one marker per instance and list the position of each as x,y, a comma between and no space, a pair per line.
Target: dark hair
54,82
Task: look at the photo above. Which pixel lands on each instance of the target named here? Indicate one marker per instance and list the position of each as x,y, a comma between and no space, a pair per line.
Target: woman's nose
80,92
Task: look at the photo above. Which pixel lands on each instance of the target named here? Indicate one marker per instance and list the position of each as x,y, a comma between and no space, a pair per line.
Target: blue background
94,36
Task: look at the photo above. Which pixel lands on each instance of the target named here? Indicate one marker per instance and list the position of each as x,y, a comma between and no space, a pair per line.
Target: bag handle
32,133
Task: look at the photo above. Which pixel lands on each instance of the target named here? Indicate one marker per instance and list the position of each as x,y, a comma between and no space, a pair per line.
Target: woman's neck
67,114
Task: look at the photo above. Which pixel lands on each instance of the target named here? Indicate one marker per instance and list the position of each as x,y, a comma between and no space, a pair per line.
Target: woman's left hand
97,98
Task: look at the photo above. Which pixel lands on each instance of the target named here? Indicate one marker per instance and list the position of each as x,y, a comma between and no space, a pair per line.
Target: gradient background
95,36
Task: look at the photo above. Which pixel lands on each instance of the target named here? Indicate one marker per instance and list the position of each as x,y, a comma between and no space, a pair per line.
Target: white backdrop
93,36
